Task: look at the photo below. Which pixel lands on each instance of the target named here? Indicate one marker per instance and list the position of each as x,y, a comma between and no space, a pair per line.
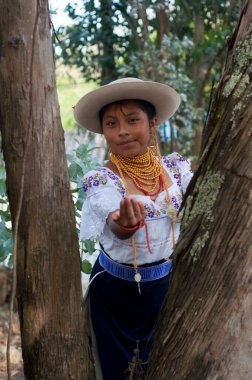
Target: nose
123,129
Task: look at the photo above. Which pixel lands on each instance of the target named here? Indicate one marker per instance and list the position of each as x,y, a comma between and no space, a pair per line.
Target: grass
70,89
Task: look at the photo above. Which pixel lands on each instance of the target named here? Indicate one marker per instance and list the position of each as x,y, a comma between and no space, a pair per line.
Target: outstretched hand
130,214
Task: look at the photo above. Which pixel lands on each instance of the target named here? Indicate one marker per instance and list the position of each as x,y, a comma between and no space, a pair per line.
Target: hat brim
163,97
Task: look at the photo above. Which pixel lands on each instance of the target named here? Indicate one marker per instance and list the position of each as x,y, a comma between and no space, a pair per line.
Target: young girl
132,208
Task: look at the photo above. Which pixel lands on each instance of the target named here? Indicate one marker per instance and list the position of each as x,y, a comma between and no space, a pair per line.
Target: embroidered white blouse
104,191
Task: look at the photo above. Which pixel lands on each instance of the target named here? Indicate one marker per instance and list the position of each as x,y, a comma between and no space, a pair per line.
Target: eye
110,123
133,120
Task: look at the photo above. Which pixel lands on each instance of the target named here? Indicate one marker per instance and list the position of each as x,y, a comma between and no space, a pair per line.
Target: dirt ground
15,352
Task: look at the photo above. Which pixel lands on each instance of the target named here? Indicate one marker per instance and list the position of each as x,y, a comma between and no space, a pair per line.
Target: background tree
90,44
204,330
182,44
47,262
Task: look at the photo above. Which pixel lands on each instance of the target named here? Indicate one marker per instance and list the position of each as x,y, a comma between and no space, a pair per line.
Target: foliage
80,162
181,43
91,29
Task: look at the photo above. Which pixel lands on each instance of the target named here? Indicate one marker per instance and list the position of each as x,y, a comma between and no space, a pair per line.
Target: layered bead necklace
144,170
148,174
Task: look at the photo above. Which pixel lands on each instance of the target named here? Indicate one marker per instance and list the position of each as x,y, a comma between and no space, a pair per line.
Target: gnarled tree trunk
54,342
205,328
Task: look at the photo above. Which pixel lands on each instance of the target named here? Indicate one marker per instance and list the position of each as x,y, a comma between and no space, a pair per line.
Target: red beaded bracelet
132,229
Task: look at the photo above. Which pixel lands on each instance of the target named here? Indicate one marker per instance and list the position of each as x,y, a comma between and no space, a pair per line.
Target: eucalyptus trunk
204,330
49,294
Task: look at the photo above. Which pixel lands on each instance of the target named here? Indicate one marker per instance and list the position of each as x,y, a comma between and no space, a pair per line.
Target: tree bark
204,330
108,57
54,338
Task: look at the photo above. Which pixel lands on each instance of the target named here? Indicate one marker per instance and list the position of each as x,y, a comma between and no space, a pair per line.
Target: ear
153,125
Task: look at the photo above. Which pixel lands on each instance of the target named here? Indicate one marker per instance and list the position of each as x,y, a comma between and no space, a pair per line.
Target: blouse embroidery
94,180
153,209
173,167
102,179
97,179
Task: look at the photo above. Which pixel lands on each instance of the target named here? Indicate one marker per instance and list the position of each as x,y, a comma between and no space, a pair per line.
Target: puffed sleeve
184,169
102,197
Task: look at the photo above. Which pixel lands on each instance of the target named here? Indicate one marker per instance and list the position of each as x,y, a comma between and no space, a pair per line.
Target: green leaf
82,151
3,255
2,187
94,148
6,249
74,170
8,245
89,246
86,267
74,190
2,173
70,157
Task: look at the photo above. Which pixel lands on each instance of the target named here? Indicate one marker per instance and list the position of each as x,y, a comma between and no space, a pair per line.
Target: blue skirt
124,321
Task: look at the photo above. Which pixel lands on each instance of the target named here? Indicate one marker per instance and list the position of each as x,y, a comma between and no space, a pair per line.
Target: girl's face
127,128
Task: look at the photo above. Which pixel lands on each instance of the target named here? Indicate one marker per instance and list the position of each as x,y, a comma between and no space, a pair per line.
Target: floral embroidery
175,202
94,180
173,168
117,181
157,209
102,179
153,212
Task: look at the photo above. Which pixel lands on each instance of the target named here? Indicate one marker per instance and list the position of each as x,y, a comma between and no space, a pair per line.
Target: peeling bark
204,330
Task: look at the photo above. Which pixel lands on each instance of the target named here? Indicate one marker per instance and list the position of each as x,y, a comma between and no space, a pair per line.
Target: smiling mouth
126,142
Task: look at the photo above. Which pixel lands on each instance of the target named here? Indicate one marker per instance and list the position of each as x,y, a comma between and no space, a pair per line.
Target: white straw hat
164,98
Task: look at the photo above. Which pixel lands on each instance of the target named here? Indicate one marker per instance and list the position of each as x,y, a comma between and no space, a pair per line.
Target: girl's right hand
130,214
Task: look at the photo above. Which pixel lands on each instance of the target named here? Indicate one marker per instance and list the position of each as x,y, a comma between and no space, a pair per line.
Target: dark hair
145,106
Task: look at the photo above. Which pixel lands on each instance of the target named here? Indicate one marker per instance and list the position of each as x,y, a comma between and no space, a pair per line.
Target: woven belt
126,272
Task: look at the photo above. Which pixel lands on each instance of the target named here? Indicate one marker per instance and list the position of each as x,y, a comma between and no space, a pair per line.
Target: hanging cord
127,194
168,198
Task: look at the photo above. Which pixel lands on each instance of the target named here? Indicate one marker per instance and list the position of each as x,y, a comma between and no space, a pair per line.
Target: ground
15,352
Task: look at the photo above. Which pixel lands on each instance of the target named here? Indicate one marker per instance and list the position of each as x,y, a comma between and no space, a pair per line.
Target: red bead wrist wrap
132,229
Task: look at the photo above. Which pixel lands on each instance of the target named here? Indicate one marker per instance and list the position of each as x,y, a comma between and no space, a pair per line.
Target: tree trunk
162,12
54,338
204,331
109,72
162,21
147,53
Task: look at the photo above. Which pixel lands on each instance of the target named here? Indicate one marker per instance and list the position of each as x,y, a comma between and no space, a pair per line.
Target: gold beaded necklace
144,170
